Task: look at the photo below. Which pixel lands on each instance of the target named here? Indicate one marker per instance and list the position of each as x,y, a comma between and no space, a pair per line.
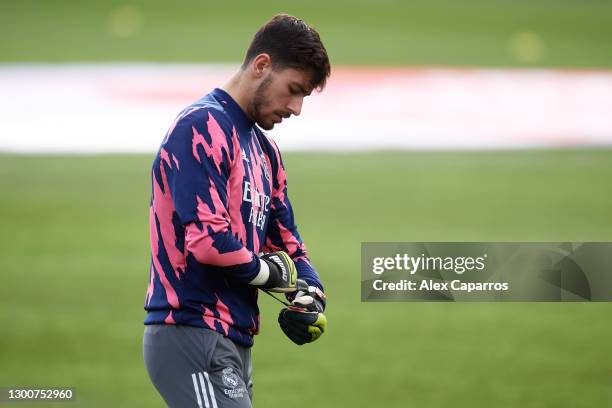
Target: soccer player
222,227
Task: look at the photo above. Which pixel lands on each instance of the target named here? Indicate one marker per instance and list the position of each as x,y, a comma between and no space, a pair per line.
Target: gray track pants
197,367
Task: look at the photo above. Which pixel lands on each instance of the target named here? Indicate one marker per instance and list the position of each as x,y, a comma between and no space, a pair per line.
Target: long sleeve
195,165
282,233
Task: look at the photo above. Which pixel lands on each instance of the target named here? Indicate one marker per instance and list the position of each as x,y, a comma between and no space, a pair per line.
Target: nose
295,105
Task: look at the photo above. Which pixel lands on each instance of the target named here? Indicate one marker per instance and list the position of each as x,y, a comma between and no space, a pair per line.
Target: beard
260,100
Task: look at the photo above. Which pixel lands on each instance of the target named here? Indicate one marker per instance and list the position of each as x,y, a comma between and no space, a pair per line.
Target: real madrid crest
230,379
264,163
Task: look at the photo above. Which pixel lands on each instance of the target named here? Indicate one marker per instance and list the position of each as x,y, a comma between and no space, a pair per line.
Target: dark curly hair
291,43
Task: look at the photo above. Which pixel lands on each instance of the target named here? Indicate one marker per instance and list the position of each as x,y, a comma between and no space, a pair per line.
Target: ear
261,64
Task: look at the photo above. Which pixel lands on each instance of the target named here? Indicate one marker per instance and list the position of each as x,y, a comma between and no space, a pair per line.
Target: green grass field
74,262
74,251
573,33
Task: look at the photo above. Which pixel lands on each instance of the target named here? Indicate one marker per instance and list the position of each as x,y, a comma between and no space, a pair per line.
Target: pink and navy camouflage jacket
219,198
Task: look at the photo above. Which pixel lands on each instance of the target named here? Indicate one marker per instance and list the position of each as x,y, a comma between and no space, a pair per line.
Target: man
222,226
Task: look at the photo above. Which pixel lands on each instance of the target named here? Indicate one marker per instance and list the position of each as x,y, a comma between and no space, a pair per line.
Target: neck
237,89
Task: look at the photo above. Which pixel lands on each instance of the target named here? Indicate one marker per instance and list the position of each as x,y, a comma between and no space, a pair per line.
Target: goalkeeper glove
303,321
281,276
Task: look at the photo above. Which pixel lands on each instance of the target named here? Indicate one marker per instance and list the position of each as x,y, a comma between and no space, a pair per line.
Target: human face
279,95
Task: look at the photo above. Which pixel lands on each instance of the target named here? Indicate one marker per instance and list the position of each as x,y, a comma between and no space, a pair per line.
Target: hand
303,321
283,274
308,297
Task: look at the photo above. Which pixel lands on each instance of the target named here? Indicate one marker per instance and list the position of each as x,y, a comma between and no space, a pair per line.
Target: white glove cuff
263,275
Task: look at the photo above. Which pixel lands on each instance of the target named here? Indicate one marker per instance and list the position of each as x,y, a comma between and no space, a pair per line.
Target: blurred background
443,121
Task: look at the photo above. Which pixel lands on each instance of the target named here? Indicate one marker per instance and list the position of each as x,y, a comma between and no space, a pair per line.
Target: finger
298,335
315,332
300,315
295,326
321,322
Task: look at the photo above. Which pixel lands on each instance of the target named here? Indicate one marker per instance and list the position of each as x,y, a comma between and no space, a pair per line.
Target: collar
239,117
